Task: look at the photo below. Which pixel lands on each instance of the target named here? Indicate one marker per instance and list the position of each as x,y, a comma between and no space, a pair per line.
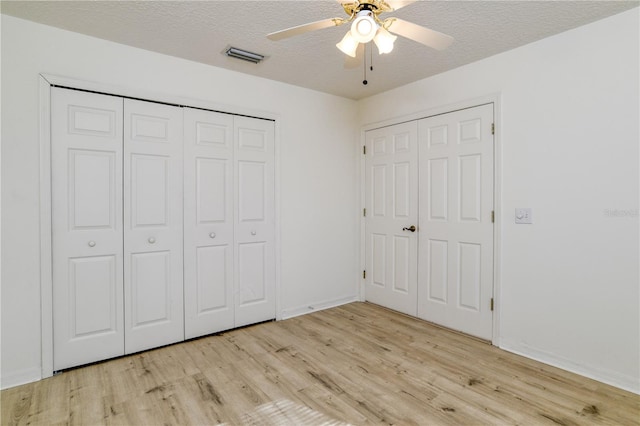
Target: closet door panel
253,274
455,260
153,225
211,267
208,222
150,288
86,150
391,173
150,191
252,183
211,181
254,220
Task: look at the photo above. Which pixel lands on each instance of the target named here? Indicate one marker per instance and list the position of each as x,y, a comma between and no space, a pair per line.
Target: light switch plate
523,216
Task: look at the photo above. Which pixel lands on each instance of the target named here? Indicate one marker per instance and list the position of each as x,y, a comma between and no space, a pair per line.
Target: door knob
212,235
151,240
92,243
412,228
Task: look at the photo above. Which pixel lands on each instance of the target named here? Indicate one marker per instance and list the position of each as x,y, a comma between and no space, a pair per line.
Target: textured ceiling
201,30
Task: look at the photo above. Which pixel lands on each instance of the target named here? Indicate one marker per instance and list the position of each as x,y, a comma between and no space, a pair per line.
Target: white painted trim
613,378
278,228
302,310
132,92
46,282
497,226
363,220
443,109
495,99
20,377
46,278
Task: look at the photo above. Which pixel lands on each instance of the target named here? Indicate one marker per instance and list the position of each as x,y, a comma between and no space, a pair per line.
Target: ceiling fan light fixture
364,27
348,45
384,40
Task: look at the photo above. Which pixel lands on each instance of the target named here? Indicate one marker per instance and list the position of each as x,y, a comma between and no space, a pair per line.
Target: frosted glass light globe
364,28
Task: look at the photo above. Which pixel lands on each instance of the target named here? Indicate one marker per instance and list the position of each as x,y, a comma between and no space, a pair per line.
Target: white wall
569,132
317,156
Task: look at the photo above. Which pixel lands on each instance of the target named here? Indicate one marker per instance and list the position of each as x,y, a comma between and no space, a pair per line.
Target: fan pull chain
365,82
371,56
364,63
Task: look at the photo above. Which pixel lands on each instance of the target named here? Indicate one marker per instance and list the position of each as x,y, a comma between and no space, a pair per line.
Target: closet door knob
92,243
253,232
151,240
212,235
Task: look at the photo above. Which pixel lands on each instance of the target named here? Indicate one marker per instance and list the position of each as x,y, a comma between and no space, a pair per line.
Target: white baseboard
20,377
314,307
613,378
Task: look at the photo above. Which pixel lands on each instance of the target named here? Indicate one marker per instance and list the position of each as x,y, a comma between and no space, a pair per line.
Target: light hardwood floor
357,364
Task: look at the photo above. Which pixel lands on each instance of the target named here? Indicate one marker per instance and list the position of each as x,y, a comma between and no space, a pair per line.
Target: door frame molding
492,98
45,83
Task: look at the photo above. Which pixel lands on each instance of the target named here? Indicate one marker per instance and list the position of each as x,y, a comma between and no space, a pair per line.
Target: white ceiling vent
234,52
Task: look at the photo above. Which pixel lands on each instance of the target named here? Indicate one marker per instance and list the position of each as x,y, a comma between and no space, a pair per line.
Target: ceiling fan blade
420,34
350,63
305,28
397,4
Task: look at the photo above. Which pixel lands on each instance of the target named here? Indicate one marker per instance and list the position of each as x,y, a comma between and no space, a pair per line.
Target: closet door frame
46,82
496,100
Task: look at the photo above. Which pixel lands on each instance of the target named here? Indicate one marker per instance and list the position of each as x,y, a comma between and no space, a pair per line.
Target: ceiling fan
366,25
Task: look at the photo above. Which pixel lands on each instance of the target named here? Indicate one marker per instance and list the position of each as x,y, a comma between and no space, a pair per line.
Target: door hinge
493,128
364,212
493,216
364,149
492,304
364,275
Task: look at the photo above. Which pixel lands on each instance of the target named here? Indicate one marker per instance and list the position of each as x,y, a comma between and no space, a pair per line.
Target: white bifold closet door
254,246
86,162
117,226
229,221
208,222
153,178
163,224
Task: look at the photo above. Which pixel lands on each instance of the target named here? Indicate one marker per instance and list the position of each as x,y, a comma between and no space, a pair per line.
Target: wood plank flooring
354,364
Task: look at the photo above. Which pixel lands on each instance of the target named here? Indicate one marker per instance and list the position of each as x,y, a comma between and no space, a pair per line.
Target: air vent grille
234,52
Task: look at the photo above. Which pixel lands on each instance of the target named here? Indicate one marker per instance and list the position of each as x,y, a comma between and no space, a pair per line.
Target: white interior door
208,222
86,150
456,230
153,274
254,250
391,208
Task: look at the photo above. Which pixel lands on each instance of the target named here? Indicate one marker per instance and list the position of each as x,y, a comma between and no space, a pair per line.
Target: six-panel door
153,188
391,208
455,272
254,248
86,165
208,222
